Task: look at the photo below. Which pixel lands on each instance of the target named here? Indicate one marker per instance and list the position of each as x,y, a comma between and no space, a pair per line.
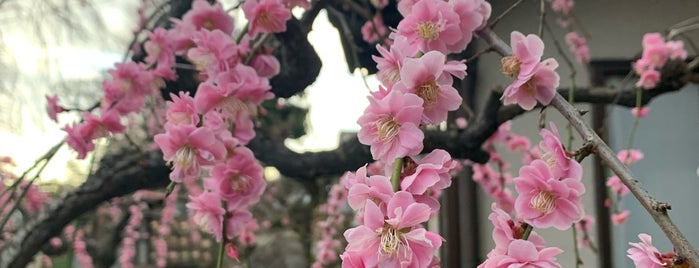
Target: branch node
661,207
582,112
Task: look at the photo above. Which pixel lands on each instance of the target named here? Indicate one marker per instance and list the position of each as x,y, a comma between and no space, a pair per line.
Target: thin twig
542,16
504,13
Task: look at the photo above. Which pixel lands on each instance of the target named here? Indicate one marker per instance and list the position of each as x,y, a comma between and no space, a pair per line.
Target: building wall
616,28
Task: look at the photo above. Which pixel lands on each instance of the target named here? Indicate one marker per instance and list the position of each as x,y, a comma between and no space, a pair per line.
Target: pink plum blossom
506,230
562,6
473,14
644,254
127,90
649,79
640,113
621,217
540,87
376,189
188,148
523,253
523,64
432,171
545,201
390,126
236,92
52,107
617,186
556,156
394,238
425,78
215,52
239,180
629,157
207,212
461,122
390,60
431,25
180,110
374,29
159,49
266,16
578,46
81,143
208,16
266,65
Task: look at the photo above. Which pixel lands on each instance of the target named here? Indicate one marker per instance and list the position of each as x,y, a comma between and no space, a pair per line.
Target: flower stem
576,250
639,94
395,176
527,231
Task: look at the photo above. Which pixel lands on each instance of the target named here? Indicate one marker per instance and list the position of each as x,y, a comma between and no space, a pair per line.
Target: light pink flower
394,238
629,157
52,107
583,227
461,122
506,230
555,155
578,46
523,253
210,17
640,113
376,189
621,217
426,78
431,25
676,50
431,172
266,65
82,144
127,90
188,148
473,14
518,144
106,124
540,87
237,92
390,126
562,6
523,64
266,16
159,49
206,211
545,201
617,186
644,254
391,60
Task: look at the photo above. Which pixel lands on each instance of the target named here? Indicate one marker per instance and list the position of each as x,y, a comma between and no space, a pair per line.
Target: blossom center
391,239
232,107
543,202
239,183
209,25
185,157
511,66
428,92
550,159
387,128
428,30
530,87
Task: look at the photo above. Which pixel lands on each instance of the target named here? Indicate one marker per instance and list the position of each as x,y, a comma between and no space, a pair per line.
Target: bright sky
336,99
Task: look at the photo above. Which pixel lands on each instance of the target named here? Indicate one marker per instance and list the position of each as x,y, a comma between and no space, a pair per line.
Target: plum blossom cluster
618,189
578,46
131,235
535,80
656,52
549,189
416,91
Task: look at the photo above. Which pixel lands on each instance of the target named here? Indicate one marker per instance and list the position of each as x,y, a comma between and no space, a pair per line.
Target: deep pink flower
426,78
649,79
76,140
640,113
523,253
239,180
106,124
188,148
620,218
394,238
540,87
431,25
206,211
127,90
545,201
391,60
629,157
266,16
210,17
237,92
52,107
266,65
473,14
432,172
160,51
644,254
390,126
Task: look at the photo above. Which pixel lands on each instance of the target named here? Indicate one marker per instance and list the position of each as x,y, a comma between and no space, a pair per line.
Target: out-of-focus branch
656,209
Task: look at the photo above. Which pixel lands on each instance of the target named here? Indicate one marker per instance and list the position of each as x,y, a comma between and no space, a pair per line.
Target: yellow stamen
544,202
511,66
428,92
387,128
428,30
